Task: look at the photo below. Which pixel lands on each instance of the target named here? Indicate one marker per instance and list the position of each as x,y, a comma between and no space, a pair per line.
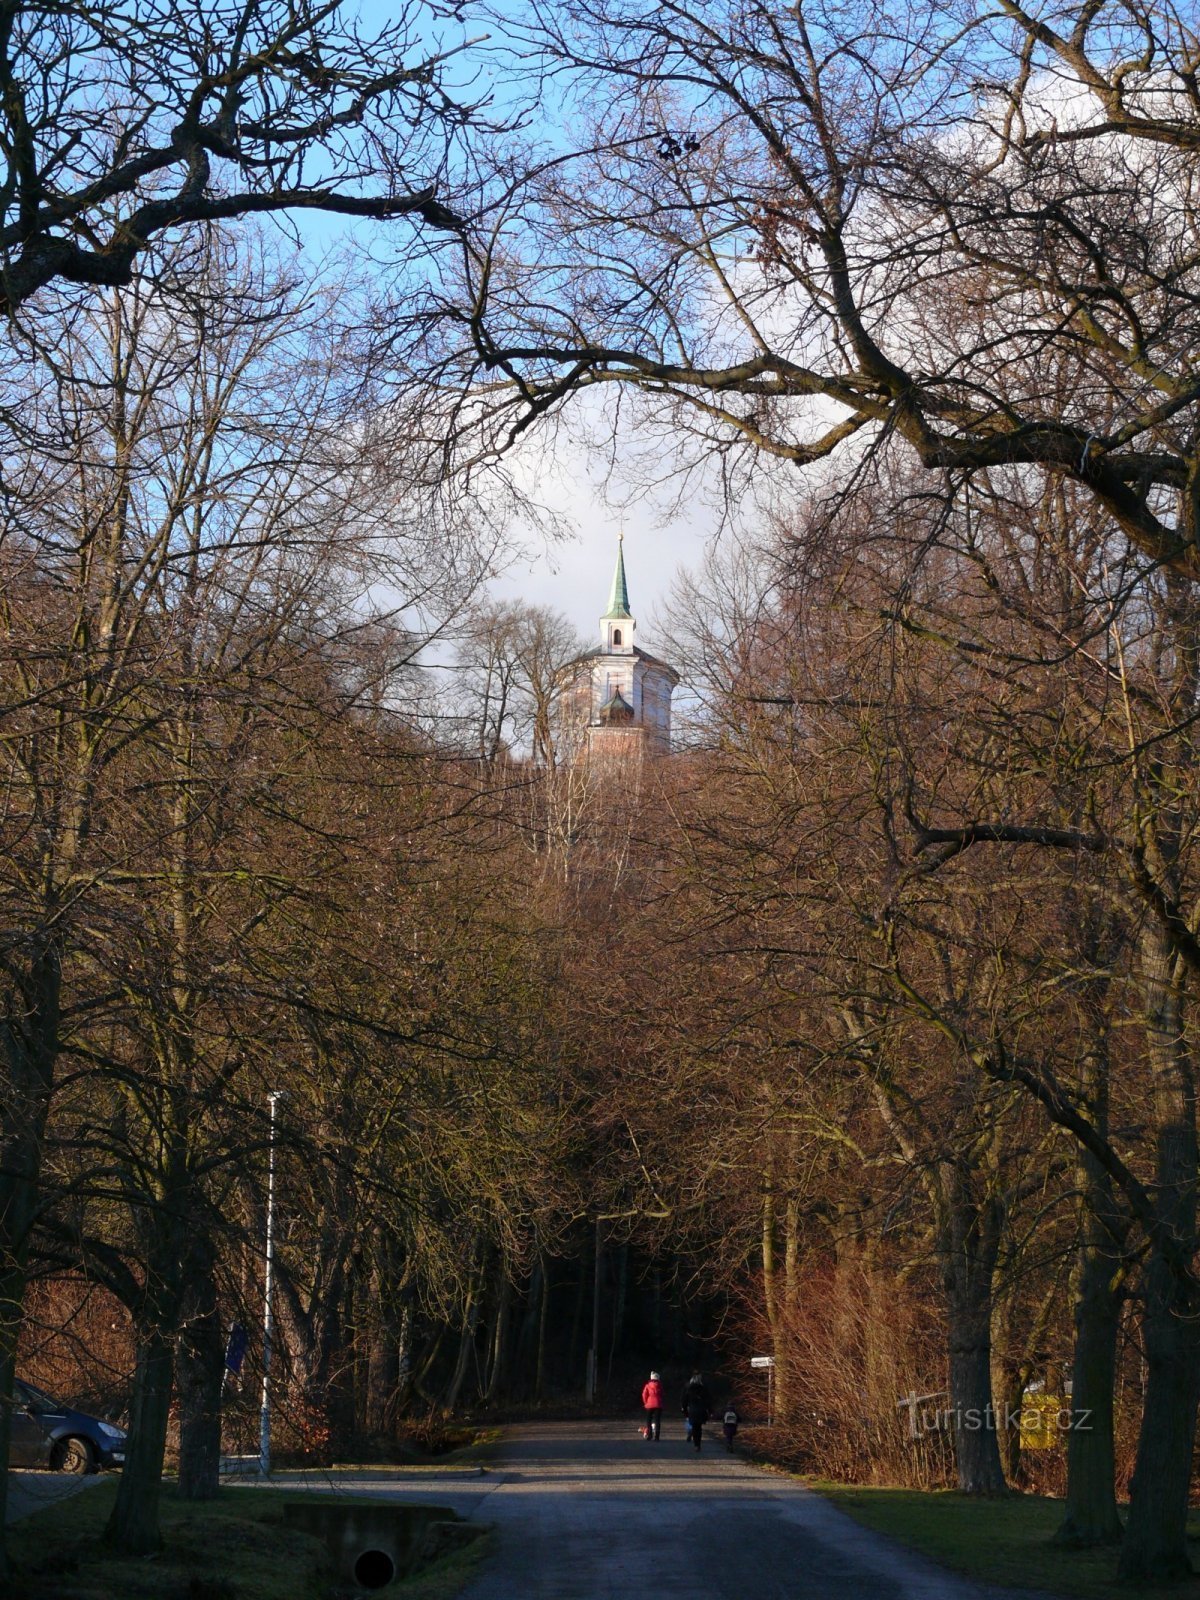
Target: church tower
617,699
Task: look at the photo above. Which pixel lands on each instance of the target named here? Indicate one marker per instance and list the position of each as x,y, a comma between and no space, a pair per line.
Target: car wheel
74,1455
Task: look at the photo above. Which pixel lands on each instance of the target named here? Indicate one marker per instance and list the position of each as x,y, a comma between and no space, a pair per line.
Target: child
730,1423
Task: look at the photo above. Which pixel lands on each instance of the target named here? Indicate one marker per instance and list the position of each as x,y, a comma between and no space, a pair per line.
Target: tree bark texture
29,1052
133,1527
466,1342
539,1376
200,1379
1090,1514
499,1341
971,1252
383,1371
1155,1544
774,1300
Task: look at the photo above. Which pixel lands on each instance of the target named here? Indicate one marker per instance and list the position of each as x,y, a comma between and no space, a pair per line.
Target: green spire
618,599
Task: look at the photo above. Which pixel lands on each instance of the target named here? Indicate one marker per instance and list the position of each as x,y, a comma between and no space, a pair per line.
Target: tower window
616,635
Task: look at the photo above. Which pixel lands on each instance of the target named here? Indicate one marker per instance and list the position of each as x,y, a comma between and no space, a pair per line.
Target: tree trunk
525,1347
539,1375
421,1373
573,1343
336,1393
29,1045
133,1528
200,1375
495,1381
314,1325
1155,1544
12,1289
974,1245
383,1372
618,1316
466,1343
967,1233
791,1256
1008,1386
404,1325
1090,1514
976,1447
772,1300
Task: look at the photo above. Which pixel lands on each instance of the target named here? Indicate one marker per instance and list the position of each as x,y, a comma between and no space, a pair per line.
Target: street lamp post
264,1420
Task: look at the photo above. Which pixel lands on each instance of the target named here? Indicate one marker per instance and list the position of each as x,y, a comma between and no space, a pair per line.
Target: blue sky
573,572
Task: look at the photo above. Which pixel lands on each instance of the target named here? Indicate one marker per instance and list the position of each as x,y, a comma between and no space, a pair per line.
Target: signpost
912,1401
767,1364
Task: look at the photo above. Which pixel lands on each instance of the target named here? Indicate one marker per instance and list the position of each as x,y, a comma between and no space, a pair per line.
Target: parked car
47,1434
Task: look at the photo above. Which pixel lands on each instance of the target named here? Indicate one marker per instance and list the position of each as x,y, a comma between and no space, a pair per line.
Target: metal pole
264,1419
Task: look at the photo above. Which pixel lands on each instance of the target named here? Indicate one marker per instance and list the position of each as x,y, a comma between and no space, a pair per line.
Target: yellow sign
1040,1421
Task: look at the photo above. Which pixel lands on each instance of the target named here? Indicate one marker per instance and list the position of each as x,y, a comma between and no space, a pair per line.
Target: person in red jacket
652,1402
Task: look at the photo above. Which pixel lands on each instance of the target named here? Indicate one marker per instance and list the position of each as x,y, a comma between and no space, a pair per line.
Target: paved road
30,1491
587,1511
590,1511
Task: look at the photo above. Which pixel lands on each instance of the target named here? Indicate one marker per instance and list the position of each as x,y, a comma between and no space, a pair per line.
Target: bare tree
122,123
510,663
799,235
818,235
190,544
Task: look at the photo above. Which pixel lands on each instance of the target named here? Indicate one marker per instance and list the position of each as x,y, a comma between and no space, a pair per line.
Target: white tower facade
616,700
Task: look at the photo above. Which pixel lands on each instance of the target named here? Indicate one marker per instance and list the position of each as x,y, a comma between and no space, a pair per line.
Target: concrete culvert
374,1543
374,1569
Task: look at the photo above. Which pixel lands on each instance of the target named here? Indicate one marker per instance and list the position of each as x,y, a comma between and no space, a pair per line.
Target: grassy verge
446,1578
233,1548
442,1447
478,1449
1003,1542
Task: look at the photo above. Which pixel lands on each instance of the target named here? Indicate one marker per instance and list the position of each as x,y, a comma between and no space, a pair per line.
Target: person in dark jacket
652,1405
697,1405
